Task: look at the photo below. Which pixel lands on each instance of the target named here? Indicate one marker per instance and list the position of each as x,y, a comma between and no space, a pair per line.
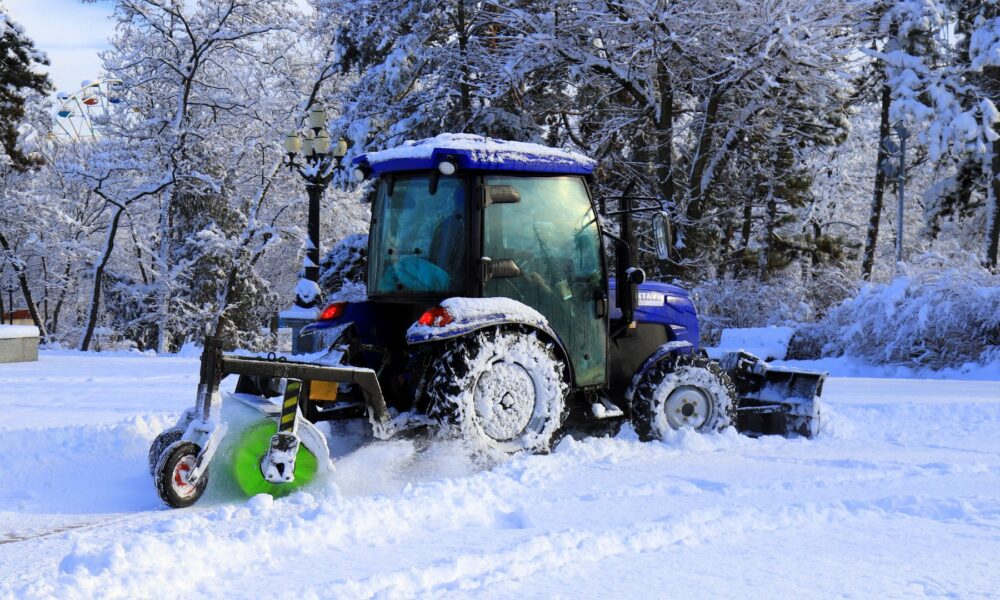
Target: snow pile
301,313
935,316
769,343
483,149
308,290
350,291
9,332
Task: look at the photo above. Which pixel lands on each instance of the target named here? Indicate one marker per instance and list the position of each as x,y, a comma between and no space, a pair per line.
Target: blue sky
71,34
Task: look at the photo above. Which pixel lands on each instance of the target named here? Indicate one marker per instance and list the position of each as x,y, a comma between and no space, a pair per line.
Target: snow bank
769,343
9,332
849,366
938,315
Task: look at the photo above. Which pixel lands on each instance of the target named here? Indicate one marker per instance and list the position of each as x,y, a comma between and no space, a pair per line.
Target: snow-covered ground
900,497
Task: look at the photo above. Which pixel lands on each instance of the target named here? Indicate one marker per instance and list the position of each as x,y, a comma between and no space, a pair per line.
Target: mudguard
466,315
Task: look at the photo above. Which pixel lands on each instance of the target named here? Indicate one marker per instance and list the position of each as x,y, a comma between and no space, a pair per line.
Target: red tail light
333,311
435,317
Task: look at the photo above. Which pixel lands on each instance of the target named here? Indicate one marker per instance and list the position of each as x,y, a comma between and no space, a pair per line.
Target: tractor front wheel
681,391
172,472
503,390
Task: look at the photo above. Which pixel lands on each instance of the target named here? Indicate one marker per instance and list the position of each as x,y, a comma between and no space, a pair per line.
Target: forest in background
770,131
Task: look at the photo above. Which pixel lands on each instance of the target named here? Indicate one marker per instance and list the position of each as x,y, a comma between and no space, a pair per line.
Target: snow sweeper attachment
266,446
774,400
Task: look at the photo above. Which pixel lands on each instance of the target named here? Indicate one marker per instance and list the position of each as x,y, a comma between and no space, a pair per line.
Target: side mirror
663,234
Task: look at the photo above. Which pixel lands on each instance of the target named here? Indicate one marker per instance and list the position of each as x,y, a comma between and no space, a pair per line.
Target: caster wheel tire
160,443
172,486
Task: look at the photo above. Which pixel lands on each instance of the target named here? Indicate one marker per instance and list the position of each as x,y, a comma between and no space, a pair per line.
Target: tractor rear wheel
680,391
503,390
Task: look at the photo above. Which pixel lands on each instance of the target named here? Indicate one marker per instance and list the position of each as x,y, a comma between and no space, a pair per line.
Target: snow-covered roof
476,152
8,332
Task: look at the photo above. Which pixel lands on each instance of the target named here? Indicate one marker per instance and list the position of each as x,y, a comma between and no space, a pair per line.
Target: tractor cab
461,216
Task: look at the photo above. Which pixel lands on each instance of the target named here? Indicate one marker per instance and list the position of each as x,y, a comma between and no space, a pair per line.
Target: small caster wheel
171,476
166,437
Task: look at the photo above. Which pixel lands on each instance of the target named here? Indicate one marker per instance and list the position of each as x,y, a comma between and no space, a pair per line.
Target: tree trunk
695,238
22,279
871,236
95,297
746,228
772,217
465,92
62,298
162,281
665,135
701,154
993,210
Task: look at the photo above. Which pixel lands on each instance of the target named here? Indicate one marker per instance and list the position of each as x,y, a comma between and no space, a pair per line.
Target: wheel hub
504,401
687,406
182,470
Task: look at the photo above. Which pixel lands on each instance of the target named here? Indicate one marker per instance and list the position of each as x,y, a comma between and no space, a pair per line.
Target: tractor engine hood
664,304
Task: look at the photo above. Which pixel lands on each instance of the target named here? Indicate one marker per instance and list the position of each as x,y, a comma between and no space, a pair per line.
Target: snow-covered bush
728,303
943,312
342,269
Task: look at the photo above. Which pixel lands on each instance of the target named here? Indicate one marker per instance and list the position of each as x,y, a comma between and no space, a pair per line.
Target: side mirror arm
627,280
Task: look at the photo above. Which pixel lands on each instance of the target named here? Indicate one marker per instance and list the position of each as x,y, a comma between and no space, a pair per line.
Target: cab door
548,228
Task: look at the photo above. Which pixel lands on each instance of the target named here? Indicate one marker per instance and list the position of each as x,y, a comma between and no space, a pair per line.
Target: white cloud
70,33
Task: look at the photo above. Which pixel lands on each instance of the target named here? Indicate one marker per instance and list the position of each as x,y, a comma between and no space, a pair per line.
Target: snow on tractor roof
476,152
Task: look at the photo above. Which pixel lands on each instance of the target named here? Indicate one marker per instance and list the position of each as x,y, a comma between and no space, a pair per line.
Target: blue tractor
491,314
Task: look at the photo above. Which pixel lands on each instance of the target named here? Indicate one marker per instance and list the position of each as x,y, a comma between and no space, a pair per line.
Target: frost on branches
767,133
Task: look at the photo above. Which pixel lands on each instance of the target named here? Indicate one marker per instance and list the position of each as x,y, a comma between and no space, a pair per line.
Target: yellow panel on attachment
323,391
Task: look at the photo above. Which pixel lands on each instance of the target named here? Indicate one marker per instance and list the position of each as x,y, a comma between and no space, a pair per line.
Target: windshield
420,240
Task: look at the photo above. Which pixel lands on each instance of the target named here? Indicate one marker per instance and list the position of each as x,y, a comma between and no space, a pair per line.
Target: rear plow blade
774,400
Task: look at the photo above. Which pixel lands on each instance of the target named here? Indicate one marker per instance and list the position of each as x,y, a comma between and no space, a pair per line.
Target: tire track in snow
553,551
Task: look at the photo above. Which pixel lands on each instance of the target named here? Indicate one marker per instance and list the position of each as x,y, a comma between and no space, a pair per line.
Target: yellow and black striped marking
291,403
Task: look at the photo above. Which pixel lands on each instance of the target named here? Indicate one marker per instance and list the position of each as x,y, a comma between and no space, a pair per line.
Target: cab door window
552,235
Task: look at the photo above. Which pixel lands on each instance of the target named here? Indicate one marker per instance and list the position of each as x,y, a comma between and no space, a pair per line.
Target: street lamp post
315,159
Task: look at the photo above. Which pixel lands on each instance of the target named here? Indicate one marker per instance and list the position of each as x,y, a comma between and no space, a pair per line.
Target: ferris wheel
75,116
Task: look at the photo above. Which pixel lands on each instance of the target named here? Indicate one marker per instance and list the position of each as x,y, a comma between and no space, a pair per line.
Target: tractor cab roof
474,152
